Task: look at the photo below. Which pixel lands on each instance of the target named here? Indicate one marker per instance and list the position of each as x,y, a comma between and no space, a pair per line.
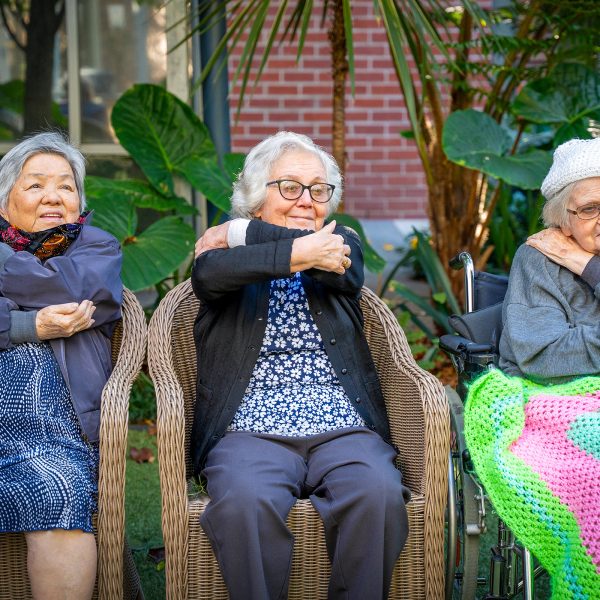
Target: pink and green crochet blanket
536,449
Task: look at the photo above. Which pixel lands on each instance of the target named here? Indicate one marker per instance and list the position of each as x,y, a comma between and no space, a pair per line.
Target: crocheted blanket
536,449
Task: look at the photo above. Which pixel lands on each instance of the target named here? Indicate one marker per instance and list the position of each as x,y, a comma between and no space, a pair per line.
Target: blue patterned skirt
48,473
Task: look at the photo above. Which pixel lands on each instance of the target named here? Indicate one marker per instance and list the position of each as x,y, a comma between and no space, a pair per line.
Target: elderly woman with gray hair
551,312
289,404
60,297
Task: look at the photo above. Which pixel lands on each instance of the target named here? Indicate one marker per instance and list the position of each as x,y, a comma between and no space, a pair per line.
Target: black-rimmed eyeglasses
587,212
292,190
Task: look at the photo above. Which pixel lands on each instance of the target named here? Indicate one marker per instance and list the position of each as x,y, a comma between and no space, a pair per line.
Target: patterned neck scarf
43,244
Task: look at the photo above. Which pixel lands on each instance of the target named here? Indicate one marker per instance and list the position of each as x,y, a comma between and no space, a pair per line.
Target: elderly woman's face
302,213
585,232
44,195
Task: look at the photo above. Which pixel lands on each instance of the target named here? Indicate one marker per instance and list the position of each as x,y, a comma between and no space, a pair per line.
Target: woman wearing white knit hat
551,312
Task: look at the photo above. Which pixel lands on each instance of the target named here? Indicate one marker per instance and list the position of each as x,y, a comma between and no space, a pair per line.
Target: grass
142,514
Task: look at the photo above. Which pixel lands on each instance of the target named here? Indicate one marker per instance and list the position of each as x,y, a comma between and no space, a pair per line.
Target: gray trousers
350,478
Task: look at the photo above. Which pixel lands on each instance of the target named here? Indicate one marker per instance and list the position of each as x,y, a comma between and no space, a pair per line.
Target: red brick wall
383,175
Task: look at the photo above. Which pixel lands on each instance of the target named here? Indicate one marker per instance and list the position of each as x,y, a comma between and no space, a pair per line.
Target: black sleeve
349,283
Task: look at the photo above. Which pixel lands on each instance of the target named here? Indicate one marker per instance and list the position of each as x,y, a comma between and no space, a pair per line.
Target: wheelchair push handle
464,261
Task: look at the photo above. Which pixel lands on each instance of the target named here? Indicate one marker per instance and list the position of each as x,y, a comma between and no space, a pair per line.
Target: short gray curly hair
49,142
554,213
250,191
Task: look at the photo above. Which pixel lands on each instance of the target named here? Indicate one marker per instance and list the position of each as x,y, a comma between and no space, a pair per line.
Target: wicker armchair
117,576
420,428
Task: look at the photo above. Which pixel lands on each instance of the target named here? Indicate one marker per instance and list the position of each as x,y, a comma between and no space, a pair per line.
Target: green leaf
571,92
373,261
569,131
439,316
156,252
139,193
114,214
471,136
12,94
440,297
162,134
209,178
233,163
434,271
474,140
526,171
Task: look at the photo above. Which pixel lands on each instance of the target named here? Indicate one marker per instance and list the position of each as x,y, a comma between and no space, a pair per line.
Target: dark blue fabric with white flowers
293,389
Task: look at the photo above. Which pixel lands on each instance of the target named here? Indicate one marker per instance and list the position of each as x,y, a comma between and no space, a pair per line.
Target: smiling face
302,213
44,195
585,233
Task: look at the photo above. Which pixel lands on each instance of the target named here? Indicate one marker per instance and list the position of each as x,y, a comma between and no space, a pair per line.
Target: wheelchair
473,350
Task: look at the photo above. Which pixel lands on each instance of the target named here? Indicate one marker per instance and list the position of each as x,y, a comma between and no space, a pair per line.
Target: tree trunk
339,67
44,20
453,212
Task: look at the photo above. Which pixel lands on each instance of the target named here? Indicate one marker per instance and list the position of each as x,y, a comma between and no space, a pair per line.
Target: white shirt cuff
236,234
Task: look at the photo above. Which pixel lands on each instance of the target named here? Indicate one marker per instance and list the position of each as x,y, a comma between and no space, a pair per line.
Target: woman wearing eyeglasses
551,312
289,404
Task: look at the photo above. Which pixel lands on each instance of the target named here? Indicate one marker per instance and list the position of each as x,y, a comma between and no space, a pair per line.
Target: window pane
121,42
41,112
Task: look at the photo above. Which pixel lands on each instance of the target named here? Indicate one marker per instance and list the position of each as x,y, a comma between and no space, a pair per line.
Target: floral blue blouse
293,389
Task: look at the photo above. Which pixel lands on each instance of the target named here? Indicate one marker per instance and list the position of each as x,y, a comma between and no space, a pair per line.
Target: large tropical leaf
162,134
139,193
474,140
156,252
233,163
207,176
569,94
115,215
373,261
153,254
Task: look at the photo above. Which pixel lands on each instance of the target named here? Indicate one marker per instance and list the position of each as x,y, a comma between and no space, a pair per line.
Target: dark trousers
350,478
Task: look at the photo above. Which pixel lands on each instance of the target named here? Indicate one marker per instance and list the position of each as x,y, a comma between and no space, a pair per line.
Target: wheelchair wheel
464,518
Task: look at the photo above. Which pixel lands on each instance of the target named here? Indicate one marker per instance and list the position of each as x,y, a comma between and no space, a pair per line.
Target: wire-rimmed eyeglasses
587,212
292,190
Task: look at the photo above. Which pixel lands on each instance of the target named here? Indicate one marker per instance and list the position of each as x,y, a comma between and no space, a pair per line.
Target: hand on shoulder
212,238
561,249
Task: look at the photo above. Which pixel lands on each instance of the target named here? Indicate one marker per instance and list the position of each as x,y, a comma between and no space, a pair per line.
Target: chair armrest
419,416
170,440
113,445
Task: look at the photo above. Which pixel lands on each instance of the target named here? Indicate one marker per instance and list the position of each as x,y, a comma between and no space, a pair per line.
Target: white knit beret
572,161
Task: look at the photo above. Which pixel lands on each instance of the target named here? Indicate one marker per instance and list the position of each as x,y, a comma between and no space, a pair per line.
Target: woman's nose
305,199
51,195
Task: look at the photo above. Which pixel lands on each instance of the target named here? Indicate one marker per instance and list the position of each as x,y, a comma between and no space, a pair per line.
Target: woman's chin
301,224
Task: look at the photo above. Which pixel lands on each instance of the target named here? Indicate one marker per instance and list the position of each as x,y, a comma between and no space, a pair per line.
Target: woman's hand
323,250
64,320
561,249
212,238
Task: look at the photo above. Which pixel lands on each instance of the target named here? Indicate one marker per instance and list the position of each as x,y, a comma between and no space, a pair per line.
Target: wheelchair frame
511,565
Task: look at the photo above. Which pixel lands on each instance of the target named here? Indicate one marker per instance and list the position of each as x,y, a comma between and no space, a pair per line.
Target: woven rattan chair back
419,422
117,576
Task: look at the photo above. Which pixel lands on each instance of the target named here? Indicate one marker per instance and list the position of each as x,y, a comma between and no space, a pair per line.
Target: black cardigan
233,285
